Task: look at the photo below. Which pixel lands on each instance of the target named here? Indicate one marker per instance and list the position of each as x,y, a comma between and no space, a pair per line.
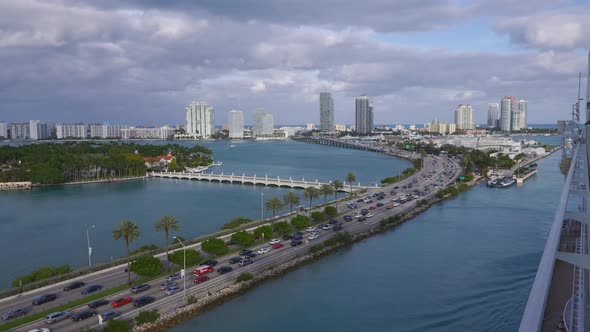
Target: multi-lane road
437,172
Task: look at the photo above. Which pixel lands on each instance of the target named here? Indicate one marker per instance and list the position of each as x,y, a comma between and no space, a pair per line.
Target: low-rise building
20,130
164,132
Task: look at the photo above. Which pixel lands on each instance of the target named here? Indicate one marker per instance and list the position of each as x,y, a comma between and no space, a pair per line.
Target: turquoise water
48,226
466,264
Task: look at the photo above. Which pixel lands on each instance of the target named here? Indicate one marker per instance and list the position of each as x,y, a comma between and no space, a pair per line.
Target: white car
263,251
274,241
369,215
311,229
358,215
327,227
313,236
396,204
43,329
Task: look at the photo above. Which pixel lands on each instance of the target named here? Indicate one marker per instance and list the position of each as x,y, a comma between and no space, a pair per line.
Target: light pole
183,274
89,248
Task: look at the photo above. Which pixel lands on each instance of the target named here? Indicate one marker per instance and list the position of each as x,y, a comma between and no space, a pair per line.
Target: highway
434,169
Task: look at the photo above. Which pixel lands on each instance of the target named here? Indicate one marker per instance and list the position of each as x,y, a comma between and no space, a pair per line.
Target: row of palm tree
129,231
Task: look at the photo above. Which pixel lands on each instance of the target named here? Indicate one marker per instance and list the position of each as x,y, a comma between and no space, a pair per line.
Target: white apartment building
200,120
236,124
163,133
3,129
263,124
464,117
20,130
70,131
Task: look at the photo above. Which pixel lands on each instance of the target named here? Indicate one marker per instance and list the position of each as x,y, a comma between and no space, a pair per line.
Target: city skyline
141,62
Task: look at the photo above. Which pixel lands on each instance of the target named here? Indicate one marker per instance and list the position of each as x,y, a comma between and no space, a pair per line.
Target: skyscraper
464,116
3,129
236,124
363,115
38,130
493,115
200,119
588,91
522,109
505,114
326,111
263,123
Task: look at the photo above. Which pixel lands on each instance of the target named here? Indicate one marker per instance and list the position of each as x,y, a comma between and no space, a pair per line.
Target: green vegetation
167,224
41,273
300,222
51,163
291,198
148,316
326,189
274,204
339,239
266,230
406,173
215,246
283,228
129,231
243,238
331,211
564,166
338,185
118,325
350,178
244,276
193,257
311,193
236,222
317,216
147,266
519,156
452,190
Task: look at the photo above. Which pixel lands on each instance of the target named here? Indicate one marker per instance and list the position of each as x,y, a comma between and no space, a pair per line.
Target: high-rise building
20,130
522,109
588,91
236,124
505,114
363,115
464,116
200,119
326,111
3,130
38,130
493,115
263,123
71,131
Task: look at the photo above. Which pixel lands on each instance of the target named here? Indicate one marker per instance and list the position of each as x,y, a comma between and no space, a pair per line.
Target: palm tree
350,177
311,193
274,204
291,198
337,184
326,189
167,224
129,231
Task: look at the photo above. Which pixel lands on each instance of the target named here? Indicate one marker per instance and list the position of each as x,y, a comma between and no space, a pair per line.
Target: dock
7,186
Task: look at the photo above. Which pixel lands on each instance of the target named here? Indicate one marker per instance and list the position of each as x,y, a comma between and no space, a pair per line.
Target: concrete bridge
338,143
253,180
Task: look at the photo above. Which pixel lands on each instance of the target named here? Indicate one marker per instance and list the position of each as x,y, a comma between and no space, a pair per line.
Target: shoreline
91,182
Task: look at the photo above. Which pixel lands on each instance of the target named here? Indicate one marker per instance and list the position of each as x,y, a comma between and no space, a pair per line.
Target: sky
140,62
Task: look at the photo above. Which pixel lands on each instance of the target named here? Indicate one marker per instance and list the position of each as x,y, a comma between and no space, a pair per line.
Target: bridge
254,180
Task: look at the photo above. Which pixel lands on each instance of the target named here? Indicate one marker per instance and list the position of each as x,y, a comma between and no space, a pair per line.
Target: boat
500,182
232,146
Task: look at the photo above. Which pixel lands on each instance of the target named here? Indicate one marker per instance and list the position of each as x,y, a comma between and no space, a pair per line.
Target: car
173,290
333,222
246,261
44,299
110,315
203,270
144,300
250,255
364,211
121,302
14,313
168,284
380,198
298,234
297,237
358,215
174,276
210,262
91,289
97,303
347,217
224,269
263,251
245,252
233,260
362,219
310,229
395,204
140,288
274,241
327,227
360,200
278,246
313,237
370,201
372,207
200,279
396,187
389,206
369,215
81,315
379,204
57,316
42,329
74,285
287,237
337,228
296,243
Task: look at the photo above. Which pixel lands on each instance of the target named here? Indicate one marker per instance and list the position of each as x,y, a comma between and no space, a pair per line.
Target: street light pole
184,274
89,248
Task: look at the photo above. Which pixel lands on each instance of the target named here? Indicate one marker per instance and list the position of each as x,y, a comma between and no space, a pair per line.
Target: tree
330,211
167,224
147,266
317,216
148,316
350,177
129,231
192,257
291,198
311,193
338,185
282,228
214,246
326,189
300,222
118,325
274,204
244,276
266,230
243,238
236,222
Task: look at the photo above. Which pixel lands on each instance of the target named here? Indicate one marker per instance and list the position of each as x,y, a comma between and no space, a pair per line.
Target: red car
121,302
201,279
373,207
277,246
199,271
